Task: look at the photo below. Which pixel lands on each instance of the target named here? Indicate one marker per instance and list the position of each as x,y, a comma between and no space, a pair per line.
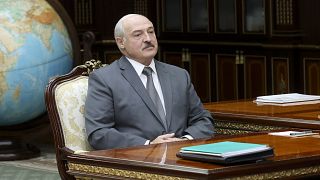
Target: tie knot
147,71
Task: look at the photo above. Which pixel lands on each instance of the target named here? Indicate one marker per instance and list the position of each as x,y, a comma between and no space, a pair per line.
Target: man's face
139,41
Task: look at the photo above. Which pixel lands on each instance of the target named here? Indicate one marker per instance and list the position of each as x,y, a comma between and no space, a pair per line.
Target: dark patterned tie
153,93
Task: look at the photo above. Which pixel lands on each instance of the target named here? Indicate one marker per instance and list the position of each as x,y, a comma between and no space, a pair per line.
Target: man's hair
118,29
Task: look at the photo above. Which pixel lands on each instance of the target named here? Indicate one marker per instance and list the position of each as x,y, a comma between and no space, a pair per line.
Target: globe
34,47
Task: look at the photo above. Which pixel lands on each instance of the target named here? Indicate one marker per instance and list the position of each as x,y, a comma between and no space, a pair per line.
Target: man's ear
119,41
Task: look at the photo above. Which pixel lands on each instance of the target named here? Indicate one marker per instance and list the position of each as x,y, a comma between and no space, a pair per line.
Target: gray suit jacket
120,113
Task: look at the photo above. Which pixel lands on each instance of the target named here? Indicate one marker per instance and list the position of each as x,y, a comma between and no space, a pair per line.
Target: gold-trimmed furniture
245,116
65,97
294,158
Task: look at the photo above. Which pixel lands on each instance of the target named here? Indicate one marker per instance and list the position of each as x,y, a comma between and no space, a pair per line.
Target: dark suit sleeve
200,121
100,118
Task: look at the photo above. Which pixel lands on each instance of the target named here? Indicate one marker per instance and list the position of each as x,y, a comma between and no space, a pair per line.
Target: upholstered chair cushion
70,97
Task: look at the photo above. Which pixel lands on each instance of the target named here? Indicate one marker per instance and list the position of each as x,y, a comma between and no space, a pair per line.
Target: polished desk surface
301,116
293,156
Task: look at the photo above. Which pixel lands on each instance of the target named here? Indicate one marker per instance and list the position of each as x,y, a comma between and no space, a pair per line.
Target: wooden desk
299,157
234,117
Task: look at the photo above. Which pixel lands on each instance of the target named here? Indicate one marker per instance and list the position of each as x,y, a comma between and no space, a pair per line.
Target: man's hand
166,138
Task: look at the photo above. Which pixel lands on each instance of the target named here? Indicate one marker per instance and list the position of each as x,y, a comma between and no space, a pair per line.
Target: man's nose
147,37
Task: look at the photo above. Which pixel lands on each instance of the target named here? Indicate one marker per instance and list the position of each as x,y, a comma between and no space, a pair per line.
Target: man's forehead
137,23
141,28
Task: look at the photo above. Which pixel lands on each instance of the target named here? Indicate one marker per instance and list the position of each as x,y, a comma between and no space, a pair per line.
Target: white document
293,133
287,98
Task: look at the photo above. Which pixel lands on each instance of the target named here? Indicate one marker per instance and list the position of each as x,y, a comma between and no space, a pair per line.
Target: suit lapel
165,82
132,77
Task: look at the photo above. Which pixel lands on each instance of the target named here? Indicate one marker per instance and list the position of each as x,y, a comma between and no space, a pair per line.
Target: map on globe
34,47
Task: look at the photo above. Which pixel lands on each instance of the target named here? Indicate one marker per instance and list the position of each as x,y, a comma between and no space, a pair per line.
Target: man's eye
137,35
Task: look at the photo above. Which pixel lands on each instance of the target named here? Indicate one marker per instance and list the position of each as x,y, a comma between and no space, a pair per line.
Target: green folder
226,152
226,148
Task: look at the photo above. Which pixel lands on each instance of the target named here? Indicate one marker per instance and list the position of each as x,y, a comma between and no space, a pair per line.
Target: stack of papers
226,152
290,99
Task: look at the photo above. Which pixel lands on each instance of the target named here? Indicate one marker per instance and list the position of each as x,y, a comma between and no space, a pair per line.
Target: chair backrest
65,97
70,98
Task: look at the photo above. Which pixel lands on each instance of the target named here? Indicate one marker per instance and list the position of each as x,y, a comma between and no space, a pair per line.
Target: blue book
226,152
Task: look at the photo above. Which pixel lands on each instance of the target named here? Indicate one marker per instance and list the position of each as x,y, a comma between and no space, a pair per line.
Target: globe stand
16,150
16,142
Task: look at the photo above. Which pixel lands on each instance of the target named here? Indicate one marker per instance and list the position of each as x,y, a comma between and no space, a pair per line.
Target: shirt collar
138,67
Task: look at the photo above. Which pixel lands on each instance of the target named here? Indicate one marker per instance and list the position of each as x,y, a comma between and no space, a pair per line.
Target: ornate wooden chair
65,97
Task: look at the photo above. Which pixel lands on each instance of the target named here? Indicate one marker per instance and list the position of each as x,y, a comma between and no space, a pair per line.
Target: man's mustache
148,45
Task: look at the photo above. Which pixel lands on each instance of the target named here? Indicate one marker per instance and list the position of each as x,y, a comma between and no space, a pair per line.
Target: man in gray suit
120,110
